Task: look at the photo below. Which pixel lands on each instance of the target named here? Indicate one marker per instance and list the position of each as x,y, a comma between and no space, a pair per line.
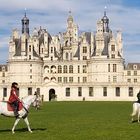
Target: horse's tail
135,109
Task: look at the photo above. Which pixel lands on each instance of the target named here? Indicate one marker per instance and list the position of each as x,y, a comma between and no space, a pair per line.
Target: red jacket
13,96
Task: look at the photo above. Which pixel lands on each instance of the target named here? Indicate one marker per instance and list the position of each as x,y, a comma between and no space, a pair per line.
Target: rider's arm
15,95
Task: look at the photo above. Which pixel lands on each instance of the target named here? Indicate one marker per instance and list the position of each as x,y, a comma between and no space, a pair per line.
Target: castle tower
99,37
25,35
25,24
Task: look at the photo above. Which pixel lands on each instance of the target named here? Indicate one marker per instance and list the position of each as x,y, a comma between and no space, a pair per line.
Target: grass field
75,121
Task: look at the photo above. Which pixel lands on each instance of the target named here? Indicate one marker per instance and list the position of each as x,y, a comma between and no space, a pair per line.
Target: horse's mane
27,97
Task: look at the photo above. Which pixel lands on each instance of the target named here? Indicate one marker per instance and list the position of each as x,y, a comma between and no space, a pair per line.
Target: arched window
70,69
65,69
46,79
53,79
53,69
46,69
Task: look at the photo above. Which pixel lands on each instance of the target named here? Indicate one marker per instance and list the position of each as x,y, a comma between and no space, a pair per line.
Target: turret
105,20
25,24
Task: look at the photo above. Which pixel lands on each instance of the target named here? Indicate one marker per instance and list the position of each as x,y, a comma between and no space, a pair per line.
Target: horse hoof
13,132
31,131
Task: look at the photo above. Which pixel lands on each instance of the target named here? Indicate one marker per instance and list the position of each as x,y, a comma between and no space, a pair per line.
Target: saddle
10,108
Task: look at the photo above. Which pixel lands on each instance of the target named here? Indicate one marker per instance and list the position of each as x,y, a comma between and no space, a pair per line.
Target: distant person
138,96
13,99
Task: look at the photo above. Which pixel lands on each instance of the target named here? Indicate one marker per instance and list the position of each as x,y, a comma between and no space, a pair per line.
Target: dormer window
3,68
135,67
112,47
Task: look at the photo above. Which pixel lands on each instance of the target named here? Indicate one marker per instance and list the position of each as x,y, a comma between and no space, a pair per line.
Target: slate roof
131,66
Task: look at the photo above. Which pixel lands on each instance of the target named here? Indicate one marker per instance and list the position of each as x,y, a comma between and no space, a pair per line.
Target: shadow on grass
135,121
23,130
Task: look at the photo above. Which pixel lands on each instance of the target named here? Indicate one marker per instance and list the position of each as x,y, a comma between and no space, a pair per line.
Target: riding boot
16,112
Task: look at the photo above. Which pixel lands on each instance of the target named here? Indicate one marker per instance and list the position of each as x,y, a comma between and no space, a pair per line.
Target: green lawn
75,121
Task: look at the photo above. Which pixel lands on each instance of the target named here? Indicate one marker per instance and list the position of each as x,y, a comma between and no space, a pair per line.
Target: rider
138,96
13,99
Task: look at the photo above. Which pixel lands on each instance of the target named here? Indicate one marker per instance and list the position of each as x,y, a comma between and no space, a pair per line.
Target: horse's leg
16,122
28,125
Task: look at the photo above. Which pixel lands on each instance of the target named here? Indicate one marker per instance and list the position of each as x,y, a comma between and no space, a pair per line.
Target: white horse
136,111
23,113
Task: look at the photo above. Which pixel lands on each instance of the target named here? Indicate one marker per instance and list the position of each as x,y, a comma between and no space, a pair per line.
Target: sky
124,15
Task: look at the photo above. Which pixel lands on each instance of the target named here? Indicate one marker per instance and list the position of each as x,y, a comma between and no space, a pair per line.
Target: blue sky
124,15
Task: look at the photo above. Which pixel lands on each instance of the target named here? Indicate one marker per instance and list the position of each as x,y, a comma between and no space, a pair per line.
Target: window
51,49
4,92
129,73
135,72
84,57
130,91
112,47
59,79
84,69
113,56
71,79
67,92
3,74
30,70
29,56
65,69
108,78
134,67
30,76
117,91
67,56
108,67
78,79
84,49
84,79
30,91
70,69
59,69
65,80
79,91
51,58
3,68
29,48
70,56
90,91
104,91
129,80
114,79
78,69
135,80
114,68
38,90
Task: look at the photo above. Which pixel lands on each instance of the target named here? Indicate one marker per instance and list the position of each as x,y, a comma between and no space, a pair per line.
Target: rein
26,109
